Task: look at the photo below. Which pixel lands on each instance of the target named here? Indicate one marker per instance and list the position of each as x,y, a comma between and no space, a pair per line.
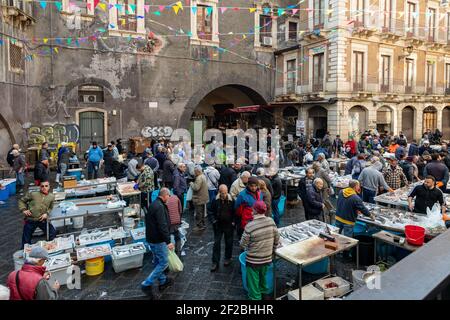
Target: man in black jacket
314,201
108,157
277,187
304,183
222,215
438,170
157,234
426,195
10,156
227,176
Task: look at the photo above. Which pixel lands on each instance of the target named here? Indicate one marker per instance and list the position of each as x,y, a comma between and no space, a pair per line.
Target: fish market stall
100,236
303,230
60,268
396,219
337,163
132,196
313,249
56,246
87,253
399,198
81,208
290,178
89,187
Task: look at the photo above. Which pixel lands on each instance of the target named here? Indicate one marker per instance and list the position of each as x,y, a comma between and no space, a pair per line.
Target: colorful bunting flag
55,49
194,10
43,4
96,3
266,11
110,6
69,41
179,5
223,9
45,40
1,42
209,11
132,7
58,5
176,9
280,11
252,10
102,6
147,8
119,7
157,13
294,11
161,8
89,6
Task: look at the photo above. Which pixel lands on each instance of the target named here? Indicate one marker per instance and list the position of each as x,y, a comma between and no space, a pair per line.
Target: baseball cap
260,207
38,253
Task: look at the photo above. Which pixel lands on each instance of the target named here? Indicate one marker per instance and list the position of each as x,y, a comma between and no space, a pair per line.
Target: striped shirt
260,239
174,207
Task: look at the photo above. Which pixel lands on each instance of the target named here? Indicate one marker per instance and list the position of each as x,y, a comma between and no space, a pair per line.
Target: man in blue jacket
349,205
95,156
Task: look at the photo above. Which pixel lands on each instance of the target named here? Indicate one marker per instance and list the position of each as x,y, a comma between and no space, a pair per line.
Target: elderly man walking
200,198
314,200
239,185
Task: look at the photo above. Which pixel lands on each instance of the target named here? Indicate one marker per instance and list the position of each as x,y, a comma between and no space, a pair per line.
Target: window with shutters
430,76
126,19
431,13
318,13
16,58
318,71
291,79
292,31
386,15
265,32
411,19
448,27
359,20
409,75
385,73
358,70
204,22
447,78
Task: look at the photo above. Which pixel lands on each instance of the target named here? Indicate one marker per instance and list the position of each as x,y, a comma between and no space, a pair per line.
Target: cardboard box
309,292
69,182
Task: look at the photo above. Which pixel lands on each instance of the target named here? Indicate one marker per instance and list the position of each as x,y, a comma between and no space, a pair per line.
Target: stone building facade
126,67
359,64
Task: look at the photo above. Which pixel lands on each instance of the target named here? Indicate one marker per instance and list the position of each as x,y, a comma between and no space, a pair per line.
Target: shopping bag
189,194
175,264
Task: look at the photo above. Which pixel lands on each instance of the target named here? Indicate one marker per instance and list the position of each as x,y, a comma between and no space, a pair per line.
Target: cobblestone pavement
195,282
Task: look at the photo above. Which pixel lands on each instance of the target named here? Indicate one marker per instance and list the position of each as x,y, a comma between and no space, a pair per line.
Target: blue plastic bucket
11,188
269,276
360,228
155,195
112,243
4,194
318,267
281,205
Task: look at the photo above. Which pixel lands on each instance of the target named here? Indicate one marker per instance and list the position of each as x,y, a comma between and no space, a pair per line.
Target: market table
335,163
85,207
5,170
92,187
309,251
388,238
126,191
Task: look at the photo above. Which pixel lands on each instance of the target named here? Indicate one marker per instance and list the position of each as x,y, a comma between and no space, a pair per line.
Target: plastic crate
130,261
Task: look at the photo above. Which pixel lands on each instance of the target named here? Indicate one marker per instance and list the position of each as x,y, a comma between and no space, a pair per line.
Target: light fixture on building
114,112
408,51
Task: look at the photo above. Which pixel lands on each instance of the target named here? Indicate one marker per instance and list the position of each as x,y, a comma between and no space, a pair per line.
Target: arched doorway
446,123
318,121
232,106
290,116
6,139
384,119
92,124
429,119
357,121
408,122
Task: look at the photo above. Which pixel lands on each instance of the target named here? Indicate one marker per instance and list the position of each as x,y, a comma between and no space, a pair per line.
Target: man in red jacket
350,148
30,282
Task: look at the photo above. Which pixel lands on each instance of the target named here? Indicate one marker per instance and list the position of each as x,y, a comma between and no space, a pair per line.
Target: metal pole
357,256
300,268
48,225
375,250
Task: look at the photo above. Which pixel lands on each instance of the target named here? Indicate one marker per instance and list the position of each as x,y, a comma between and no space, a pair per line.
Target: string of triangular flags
292,9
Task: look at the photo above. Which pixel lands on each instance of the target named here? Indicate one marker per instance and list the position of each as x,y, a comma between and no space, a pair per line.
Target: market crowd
242,201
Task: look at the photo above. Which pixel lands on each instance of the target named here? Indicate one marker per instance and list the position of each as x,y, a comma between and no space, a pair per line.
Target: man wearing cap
95,156
31,281
245,201
200,198
371,180
10,156
425,147
260,239
394,175
36,207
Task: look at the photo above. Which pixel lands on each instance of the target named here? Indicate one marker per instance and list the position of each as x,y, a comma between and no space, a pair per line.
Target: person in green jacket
36,207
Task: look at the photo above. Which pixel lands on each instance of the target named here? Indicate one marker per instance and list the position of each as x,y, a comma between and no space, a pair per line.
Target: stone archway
6,139
210,105
430,115
250,87
317,121
357,120
385,119
290,116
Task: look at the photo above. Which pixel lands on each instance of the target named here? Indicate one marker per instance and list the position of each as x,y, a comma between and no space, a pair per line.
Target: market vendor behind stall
426,195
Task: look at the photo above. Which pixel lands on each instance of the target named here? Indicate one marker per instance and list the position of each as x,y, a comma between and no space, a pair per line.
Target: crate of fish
138,234
56,246
96,236
60,267
117,233
128,257
87,253
294,233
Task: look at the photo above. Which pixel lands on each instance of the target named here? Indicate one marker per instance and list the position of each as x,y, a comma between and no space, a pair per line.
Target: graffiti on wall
156,132
53,134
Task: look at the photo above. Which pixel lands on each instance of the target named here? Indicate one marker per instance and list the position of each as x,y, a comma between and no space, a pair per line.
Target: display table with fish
312,250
